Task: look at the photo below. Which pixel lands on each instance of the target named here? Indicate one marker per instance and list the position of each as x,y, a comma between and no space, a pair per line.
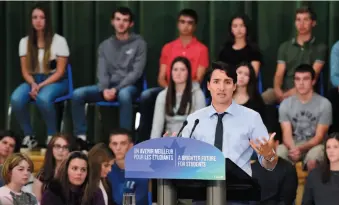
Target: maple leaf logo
177,151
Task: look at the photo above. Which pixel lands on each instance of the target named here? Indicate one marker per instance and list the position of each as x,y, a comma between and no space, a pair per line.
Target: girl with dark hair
246,93
100,159
70,182
181,98
239,48
43,56
57,150
322,184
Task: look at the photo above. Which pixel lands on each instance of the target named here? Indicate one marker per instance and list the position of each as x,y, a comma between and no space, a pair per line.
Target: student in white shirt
43,56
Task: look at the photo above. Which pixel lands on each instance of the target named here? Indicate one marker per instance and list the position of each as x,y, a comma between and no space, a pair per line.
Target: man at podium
232,128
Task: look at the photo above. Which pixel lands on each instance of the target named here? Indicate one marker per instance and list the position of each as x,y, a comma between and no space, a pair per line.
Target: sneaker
29,142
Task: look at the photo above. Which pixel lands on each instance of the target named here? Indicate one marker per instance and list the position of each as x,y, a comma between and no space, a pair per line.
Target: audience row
69,176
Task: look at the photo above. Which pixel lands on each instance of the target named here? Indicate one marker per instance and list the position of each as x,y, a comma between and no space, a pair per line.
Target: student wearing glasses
57,150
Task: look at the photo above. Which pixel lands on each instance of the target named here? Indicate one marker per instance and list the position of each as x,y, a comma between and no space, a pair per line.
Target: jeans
92,94
44,101
147,104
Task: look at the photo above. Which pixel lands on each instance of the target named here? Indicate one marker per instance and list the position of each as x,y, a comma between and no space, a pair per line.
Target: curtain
86,24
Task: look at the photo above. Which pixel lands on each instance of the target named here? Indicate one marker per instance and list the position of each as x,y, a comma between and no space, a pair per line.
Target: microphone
182,127
196,122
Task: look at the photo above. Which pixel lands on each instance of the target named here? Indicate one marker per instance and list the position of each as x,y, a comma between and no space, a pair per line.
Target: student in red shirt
187,45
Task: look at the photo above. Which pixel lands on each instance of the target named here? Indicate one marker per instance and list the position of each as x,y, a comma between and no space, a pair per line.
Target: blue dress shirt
240,125
334,64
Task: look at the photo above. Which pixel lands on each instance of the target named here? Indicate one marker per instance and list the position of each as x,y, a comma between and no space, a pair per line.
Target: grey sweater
121,63
173,123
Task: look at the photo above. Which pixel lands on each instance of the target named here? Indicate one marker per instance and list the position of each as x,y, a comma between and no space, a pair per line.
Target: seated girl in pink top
16,172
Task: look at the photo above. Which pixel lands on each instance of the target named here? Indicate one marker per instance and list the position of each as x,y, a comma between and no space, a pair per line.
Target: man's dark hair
306,9
121,131
14,136
305,68
190,13
229,70
124,11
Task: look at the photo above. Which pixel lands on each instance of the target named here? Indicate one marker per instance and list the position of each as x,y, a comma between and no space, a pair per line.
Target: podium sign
175,158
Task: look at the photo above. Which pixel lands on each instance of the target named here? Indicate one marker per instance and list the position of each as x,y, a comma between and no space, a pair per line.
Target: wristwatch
272,158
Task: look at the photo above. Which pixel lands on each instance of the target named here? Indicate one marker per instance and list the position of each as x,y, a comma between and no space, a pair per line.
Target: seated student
70,182
43,56
322,183
57,150
178,100
100,159
16,171
121,63
303,49
240,48
9,143
278,186
246,93
120,141
186,45
333,94
304,119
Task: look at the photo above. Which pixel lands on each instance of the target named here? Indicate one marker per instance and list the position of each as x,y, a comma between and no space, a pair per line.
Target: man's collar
311,41
230,110
193,41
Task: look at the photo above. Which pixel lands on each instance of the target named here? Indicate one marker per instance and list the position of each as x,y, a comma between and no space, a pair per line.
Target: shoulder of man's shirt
238,109
335,45
198,113
287,42
138,38
288,100
322,100
105,42
201,44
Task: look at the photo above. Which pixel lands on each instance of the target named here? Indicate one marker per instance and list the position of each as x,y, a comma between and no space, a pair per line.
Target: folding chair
115,103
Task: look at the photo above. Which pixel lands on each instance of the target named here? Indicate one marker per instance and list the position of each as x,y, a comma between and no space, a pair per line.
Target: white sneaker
29,142
48,140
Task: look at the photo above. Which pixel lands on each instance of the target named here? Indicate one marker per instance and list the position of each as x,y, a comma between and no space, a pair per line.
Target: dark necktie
219,132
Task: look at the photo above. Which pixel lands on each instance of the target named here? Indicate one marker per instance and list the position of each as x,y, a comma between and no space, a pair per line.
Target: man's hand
290,92
34,90
294,154
263,147
167,134
279,94
109,94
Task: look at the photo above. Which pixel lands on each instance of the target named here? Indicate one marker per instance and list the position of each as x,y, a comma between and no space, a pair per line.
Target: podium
189,169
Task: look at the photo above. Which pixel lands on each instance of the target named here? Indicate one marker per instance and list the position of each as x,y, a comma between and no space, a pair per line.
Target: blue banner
175,158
